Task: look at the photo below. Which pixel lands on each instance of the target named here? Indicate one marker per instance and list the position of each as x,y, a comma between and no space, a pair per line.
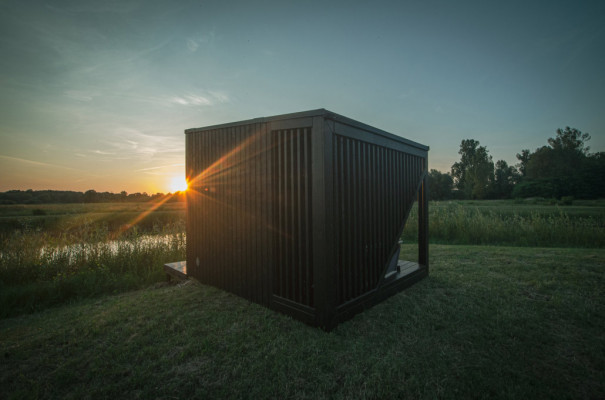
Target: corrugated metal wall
375,188
302,214
229,233
293,249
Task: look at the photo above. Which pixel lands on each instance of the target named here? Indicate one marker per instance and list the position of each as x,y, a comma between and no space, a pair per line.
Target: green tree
570,140
440,185
90,196
505,177
474,173
523,158
563,168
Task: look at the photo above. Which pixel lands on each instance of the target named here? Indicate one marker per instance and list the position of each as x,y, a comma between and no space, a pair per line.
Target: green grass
62,218
89,266
32,279
488,322
579,208
51,254
509,224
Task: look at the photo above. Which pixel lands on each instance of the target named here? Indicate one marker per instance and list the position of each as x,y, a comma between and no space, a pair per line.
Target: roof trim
329,115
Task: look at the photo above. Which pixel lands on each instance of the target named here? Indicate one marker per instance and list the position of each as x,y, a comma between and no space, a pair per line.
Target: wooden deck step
176,270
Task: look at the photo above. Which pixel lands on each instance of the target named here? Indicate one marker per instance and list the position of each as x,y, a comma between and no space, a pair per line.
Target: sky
97,94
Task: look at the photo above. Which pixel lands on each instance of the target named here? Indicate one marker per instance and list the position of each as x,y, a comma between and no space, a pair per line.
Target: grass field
489,322
84,312
510,223
56,253
88,217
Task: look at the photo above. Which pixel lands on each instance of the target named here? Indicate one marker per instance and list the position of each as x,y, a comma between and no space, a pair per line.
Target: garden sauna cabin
303,212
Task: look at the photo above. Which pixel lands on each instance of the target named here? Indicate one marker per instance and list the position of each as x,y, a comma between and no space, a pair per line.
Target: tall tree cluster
564,167
474,173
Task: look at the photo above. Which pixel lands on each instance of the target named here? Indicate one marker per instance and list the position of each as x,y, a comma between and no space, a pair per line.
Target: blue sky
96,95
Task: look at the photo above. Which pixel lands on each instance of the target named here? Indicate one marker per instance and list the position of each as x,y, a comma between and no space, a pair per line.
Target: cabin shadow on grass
489,322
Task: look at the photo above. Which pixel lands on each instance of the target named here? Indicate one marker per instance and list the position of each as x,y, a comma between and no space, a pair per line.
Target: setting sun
178,184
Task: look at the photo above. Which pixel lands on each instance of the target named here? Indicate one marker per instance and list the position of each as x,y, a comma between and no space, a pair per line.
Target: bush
534,188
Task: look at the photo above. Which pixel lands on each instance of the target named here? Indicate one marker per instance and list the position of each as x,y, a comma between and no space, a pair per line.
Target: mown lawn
489,322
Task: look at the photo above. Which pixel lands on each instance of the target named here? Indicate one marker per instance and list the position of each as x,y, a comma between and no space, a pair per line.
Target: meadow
514,223
55,253
512,309
488,322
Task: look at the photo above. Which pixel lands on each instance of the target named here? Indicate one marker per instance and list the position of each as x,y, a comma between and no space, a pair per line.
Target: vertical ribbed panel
375,188
303,212
293,252
229,211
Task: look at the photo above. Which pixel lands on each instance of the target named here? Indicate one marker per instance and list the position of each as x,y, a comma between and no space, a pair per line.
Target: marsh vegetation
52,254
505,319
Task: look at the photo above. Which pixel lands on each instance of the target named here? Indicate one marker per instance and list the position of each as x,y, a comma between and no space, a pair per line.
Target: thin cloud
160,167
194,43
78,95
130,143
192,100
38,163
103,153
208,98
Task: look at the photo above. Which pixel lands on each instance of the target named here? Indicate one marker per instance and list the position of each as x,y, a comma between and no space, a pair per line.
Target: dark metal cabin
303,212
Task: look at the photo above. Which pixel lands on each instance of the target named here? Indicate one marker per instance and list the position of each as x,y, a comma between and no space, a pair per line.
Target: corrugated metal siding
374,190
293,250
302,214
229,211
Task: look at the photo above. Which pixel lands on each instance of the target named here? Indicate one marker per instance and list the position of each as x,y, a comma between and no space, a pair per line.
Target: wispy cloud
38,163
160,167
194,43
78,95
131,143
103,153
208,98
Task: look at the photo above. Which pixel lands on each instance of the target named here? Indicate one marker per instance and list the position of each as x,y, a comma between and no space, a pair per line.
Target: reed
470,225
38,270
83,251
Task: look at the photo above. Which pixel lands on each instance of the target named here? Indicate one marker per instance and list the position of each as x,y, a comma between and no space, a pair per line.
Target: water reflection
112,247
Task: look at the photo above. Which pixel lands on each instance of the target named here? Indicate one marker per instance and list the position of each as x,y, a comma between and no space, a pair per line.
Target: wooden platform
406,267
176,270
403,268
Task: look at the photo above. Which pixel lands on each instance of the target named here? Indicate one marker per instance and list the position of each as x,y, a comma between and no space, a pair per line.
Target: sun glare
178,183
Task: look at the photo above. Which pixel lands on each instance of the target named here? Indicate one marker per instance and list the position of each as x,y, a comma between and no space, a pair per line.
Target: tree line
562,168
90,196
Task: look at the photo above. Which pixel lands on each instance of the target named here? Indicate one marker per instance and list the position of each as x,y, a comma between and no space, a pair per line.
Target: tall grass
458,224
69,254
38,270
93,221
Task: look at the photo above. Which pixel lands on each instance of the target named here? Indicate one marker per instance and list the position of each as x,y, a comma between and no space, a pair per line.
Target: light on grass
178,183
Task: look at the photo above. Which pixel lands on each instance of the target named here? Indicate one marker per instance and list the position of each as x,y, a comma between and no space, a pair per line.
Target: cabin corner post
423,219
323,265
